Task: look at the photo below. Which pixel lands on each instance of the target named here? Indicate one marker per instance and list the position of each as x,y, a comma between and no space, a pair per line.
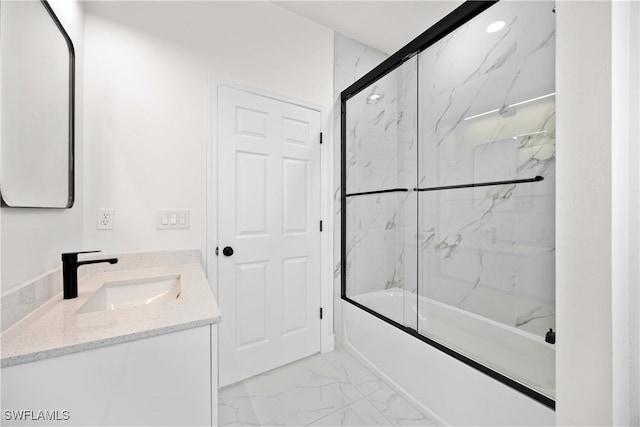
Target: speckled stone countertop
57,328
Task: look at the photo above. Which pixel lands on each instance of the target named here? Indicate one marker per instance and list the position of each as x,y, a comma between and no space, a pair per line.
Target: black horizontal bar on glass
391,190
482,184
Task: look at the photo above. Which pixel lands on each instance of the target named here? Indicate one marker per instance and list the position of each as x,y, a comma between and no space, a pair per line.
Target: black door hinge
320,313
320,137
321,226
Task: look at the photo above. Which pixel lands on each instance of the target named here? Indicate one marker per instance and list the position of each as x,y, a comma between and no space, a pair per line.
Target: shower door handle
227,251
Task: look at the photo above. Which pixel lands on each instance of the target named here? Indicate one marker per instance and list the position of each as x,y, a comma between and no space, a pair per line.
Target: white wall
148,67
33,239
634,212
597,213
583,241
625,211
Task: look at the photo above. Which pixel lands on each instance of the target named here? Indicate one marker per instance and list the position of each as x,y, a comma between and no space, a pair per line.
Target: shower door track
461,15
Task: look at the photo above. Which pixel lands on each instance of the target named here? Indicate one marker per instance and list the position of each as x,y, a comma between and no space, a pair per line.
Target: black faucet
70,266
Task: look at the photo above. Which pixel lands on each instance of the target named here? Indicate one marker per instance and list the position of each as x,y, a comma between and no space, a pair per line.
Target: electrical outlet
105,219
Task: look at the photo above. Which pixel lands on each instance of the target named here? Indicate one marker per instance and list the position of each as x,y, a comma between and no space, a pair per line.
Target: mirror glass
36,92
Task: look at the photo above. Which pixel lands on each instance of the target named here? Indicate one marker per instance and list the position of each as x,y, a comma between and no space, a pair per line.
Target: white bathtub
453,392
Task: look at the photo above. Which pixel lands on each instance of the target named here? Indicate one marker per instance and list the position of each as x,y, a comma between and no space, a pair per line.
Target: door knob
227,251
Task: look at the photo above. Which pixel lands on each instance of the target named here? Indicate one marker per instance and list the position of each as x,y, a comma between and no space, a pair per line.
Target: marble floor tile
331,389
360,413
398,410
235,407
296,394
362,378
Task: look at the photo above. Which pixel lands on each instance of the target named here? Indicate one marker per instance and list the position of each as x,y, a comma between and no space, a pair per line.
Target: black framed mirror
37,96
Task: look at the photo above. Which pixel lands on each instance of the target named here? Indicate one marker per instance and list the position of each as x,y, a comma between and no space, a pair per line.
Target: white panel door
268,213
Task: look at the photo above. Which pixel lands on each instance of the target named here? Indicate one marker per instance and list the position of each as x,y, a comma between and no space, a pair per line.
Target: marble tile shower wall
490,250
381,144
381,133
486,113
352,60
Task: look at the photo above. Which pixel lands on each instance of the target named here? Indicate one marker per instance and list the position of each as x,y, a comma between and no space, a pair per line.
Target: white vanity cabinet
168,379
145,362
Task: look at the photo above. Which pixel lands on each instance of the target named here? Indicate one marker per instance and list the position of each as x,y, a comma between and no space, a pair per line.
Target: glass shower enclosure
448,191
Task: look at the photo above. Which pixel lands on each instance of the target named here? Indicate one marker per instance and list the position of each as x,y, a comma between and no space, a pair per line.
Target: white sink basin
130,293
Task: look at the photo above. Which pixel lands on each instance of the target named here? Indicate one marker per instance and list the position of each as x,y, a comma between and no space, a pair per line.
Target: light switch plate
172,219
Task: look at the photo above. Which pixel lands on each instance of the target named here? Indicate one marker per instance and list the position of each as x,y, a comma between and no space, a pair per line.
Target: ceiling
384,25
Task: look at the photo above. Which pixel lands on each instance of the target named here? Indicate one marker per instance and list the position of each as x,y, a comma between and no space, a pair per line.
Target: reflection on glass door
487,153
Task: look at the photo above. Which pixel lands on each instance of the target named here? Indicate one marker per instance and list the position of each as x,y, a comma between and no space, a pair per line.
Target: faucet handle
74,255
80,252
